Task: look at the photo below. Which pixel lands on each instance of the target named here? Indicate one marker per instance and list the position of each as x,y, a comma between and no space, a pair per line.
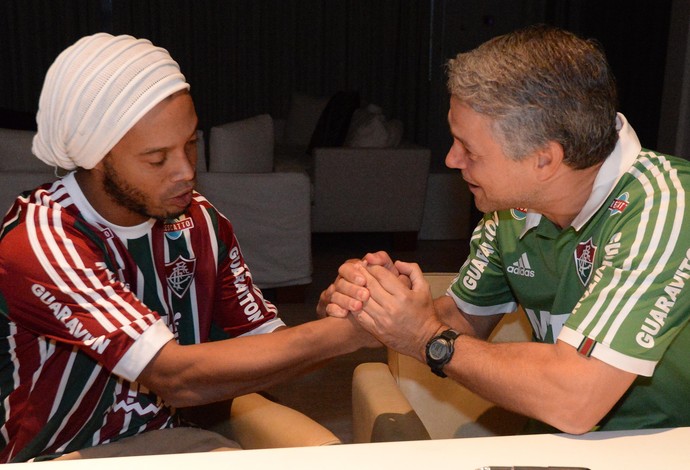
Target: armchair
404,400
255,422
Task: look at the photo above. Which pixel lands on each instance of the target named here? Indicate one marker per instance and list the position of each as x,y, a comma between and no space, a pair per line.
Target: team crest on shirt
619,204
173,229
180,274
584,260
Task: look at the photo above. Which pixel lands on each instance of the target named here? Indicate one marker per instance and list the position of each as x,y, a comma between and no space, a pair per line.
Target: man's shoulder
46,205
648,160
655,173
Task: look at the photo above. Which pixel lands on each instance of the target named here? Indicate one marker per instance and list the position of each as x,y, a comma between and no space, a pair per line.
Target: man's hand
348,292
399,314
364,338
345,294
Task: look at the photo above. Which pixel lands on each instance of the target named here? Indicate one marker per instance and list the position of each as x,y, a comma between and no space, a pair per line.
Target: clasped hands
391,300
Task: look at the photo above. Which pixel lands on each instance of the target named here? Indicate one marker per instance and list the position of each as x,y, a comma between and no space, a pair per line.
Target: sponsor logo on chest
619,204
173,230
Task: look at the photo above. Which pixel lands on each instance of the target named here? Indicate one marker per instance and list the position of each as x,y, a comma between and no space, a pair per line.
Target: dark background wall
245,57
634,34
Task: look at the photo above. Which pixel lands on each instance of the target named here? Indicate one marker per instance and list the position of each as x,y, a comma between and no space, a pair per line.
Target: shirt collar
614,167
91,215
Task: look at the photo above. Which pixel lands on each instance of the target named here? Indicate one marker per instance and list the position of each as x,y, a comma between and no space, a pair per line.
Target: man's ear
548,160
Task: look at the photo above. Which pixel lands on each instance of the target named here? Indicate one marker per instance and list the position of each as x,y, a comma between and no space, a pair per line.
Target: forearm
472,325
552,383
204,373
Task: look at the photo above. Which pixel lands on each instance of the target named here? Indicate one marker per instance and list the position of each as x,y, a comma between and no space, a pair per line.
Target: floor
325,394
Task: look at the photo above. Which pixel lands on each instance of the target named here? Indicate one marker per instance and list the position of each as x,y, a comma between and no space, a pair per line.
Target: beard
129,197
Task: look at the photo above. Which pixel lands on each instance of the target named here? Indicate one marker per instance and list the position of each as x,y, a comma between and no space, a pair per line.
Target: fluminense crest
584,259
180,274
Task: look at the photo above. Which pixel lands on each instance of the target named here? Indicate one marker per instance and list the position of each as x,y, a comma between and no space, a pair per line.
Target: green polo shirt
612,285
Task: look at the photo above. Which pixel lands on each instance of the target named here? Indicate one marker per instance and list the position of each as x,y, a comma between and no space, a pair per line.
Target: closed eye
155,158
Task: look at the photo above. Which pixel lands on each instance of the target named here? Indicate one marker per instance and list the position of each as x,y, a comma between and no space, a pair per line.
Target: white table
666,449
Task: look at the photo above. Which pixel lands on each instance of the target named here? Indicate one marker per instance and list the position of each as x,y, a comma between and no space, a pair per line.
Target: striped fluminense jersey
613,284
85,305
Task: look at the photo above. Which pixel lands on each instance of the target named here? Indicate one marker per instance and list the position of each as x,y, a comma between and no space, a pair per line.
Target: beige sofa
270,210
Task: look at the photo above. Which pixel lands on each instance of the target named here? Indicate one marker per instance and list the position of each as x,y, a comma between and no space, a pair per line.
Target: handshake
391,300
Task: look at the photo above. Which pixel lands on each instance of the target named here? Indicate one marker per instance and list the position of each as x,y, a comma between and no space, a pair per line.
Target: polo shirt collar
624,154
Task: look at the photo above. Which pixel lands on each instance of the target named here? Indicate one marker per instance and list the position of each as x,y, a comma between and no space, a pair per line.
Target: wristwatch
439,351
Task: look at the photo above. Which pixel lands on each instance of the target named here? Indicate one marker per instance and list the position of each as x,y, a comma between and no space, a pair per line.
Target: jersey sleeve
638,300
481,287
56,283
240,307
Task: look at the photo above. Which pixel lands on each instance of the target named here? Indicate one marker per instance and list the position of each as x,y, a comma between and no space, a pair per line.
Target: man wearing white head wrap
115,279
95,91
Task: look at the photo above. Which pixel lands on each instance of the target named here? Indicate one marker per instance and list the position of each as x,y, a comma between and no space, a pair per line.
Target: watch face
438,349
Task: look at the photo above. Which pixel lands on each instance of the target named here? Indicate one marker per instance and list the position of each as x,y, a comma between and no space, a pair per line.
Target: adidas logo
521,267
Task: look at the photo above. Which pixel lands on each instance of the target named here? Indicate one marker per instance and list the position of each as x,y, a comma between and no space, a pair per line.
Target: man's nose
185,167
456,158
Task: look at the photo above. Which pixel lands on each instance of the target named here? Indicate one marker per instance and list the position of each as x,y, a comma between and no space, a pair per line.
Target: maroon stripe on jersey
82,411
29,407
586,347
157,240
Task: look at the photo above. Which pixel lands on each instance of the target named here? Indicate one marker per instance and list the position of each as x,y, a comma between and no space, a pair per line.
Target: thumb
414,272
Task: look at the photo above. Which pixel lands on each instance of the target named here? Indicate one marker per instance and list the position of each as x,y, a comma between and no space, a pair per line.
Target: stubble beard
129,197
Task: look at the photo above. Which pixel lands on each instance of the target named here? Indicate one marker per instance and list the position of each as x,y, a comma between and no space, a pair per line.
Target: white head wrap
96,91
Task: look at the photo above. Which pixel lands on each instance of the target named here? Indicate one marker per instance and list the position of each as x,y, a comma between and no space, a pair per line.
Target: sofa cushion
302,117
331,128
370,128
244,146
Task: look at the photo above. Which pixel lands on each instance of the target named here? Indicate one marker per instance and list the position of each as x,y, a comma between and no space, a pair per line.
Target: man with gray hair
115,279
584,229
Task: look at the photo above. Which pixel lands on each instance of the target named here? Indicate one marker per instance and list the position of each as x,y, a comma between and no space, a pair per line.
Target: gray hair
541,84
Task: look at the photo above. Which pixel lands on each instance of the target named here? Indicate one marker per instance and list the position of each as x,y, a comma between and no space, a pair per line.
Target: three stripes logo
521,267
